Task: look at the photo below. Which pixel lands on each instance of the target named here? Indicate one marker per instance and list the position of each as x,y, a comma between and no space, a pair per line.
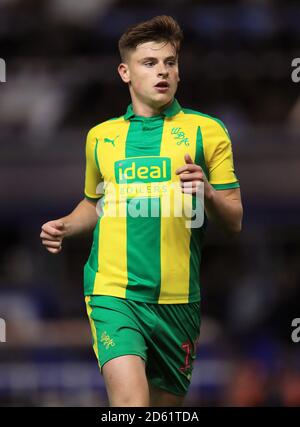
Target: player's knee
159,397
135,400
126,382
123,395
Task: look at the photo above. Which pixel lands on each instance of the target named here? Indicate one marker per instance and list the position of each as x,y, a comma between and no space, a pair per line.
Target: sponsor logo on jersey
143,169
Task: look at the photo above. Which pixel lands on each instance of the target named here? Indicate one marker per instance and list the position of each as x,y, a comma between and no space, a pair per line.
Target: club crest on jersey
143,169
106,340
180,136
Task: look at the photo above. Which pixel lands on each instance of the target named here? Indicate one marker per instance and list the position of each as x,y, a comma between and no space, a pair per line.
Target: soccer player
141,281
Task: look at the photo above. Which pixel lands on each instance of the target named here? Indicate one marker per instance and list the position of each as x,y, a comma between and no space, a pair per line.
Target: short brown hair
158,29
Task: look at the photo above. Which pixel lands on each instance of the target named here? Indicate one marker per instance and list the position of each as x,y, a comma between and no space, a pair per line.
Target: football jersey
144,245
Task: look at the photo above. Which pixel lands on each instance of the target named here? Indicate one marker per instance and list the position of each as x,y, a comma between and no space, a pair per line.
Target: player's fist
191,176
52,235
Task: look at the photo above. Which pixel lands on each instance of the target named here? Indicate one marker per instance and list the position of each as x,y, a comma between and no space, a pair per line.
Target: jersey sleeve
219,158
93,176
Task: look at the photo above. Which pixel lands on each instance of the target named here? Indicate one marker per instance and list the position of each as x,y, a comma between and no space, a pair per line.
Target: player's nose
162,70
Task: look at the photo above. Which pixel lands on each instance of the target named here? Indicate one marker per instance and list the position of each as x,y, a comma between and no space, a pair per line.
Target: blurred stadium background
61,58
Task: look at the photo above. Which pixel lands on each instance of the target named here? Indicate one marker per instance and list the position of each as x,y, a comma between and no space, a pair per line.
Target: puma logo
111,141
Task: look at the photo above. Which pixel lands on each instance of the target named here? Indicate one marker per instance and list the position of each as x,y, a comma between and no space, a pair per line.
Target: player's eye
149,64
171,63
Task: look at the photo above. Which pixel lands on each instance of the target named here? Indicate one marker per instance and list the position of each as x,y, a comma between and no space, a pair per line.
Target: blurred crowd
62,55
61,58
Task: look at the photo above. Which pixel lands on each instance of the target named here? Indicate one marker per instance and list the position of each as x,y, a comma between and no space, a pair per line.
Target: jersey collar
170,111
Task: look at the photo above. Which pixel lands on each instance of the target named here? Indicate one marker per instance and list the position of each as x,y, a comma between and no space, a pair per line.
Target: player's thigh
120,348
159,397
126,382
172,347
115,329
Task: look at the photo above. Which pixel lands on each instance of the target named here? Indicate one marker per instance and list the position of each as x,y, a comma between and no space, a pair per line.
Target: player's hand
191,175
52,235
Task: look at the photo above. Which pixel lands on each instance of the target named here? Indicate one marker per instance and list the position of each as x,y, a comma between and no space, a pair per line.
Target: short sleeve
92,171
219,158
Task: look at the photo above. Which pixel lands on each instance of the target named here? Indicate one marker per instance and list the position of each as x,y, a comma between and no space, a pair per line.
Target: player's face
152,73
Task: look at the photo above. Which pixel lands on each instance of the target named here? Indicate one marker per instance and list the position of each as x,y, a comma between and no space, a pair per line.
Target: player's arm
222,197
81,220
224,207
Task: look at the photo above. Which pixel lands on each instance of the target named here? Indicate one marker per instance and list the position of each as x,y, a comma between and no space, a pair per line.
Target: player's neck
144,110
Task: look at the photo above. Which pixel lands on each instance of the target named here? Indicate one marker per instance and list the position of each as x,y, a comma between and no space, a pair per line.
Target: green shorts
164,335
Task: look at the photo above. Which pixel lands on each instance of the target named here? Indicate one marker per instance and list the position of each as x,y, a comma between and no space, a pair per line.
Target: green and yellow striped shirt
142,249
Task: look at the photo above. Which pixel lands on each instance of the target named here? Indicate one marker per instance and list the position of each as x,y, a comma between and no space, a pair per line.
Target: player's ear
124,72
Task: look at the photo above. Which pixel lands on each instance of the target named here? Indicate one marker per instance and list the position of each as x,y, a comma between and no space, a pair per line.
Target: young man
141,281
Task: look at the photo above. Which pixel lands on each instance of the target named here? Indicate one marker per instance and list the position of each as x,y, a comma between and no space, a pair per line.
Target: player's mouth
162,86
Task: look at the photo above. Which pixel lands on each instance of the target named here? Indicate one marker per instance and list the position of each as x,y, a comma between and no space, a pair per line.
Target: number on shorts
186,346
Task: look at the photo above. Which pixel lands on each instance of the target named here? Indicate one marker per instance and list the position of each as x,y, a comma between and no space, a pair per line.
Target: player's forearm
81,220
227,213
